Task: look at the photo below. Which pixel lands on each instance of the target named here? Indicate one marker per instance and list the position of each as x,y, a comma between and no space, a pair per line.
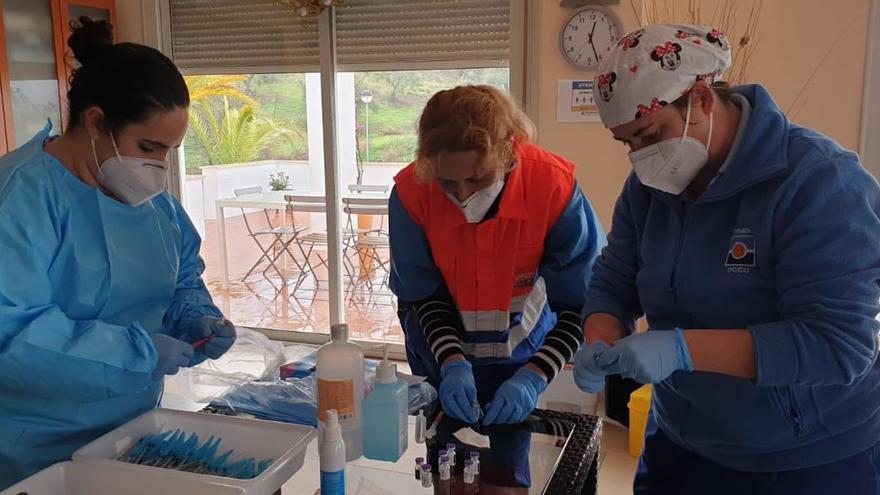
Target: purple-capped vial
450,447
419,462
469,471
445,469
475,456
426,476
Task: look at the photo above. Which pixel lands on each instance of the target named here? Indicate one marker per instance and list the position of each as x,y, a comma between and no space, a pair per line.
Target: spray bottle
332,455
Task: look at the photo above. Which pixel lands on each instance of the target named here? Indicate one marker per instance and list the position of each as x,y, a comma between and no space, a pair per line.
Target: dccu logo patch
741,255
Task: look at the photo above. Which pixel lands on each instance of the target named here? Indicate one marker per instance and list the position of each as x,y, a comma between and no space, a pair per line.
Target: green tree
237,135
203,89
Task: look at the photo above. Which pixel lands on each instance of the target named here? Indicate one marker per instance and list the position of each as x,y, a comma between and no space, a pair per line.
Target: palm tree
237,135
204,88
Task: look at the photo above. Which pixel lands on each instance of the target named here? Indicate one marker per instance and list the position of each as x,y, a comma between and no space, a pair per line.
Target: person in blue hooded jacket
101,293
752,246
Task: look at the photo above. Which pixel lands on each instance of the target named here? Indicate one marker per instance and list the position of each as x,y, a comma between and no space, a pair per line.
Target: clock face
589,36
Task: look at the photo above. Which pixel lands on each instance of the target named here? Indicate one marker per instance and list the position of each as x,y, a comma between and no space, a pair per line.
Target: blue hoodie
785,243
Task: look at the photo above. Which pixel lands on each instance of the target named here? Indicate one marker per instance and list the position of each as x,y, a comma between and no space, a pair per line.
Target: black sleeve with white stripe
442,325
561,344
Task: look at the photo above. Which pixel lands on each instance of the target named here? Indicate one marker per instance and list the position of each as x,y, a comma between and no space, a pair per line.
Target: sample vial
419,462
475,456
469,471
450,448
426,476
445,468
421,423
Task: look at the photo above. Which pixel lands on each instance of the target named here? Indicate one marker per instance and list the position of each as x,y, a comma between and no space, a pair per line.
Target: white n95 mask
672,164
478,204
134,180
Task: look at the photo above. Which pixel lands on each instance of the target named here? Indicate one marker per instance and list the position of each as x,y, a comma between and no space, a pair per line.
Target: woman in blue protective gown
101,293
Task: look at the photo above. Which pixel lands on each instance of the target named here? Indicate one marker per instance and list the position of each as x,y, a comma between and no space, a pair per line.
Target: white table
368,477
266,200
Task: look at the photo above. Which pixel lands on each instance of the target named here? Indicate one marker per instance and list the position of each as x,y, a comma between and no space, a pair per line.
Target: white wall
379,174
221,181
129,21
193,201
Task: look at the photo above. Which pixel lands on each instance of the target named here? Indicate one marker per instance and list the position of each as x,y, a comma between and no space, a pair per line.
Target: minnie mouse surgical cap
654,66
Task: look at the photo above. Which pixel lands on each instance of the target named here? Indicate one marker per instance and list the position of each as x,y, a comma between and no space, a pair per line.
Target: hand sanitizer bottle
385,415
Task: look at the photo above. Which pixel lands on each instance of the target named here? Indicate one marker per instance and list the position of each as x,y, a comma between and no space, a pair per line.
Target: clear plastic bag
295,400
253,357
291,401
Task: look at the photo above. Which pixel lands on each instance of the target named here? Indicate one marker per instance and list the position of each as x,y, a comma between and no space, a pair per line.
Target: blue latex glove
648,357
458,392
588,376
173,354
516,398
222,330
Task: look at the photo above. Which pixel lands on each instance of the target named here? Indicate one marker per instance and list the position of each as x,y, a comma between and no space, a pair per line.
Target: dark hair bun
89,38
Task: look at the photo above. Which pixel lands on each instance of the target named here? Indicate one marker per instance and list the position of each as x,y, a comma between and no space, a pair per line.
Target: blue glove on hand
588,376
516,398
458,392
173,355
648,357
223,332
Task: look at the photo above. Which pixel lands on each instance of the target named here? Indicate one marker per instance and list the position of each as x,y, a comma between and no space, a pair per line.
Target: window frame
869,149
157,33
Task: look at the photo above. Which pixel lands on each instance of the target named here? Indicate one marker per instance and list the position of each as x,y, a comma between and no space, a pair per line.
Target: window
29,43
257,112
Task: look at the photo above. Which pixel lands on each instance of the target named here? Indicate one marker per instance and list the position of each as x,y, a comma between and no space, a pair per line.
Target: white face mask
134,180
476,206
672,164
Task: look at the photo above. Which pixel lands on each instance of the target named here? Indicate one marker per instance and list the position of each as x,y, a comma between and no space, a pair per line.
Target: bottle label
403,424
336,394
333,483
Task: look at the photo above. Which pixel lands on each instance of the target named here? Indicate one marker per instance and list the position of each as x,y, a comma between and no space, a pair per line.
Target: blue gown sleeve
414,276
191,297
827,266
613,284
570,251
44,352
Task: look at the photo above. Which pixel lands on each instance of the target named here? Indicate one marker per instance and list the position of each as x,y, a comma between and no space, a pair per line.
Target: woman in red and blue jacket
492,247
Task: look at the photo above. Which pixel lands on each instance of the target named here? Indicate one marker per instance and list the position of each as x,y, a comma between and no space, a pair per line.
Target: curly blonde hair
470,118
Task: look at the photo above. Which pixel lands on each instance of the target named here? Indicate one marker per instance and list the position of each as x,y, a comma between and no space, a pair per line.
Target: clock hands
592,45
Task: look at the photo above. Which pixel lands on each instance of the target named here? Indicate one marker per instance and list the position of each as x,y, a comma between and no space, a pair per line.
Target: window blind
252,36
426,34
222,36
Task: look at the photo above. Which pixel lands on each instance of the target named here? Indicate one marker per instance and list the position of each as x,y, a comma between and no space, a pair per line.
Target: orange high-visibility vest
491,268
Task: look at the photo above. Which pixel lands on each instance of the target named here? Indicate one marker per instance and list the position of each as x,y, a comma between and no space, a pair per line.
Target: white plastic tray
286,443
74,478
